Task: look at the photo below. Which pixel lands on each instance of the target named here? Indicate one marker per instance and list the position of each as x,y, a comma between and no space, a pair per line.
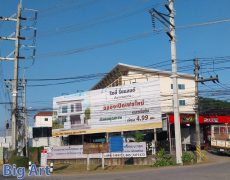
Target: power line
107,18
88,77
93,47
115,42
68,78
65,6
204,23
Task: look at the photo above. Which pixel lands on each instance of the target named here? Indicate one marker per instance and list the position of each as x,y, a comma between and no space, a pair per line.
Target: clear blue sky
81,25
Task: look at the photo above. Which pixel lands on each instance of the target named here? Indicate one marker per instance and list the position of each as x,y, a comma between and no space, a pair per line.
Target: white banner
132,106
132,149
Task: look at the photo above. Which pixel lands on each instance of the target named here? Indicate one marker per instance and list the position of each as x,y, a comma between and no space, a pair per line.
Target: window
46,119
75,119
180,86
63,119
78,107
55,113
64,109
181,102
72,108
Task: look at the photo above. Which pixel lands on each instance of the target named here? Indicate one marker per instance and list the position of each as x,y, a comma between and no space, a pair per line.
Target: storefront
188,127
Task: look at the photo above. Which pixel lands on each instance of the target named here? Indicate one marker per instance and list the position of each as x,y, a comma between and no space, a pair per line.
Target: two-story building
128,99
42,130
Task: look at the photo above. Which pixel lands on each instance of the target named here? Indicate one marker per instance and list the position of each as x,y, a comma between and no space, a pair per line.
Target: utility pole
15,80
175,85
25,117
196,106
15,56
196,109
22,117
169,23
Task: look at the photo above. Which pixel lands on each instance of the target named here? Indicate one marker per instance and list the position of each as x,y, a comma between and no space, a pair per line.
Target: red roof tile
47,113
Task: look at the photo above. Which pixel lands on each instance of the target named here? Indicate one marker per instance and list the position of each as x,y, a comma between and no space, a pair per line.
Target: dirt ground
66,169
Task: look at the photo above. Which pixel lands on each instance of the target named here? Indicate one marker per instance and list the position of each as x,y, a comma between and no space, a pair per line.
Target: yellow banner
107,129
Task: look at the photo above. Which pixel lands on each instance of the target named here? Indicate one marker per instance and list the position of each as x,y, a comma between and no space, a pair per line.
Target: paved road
219,170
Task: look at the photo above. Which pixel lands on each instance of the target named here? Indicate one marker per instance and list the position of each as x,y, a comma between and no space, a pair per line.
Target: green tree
87,115
139,137
213,106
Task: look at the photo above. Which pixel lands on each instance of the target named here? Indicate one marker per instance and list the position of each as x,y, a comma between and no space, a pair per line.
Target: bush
139,137
163,159
188,158
19,161
35,154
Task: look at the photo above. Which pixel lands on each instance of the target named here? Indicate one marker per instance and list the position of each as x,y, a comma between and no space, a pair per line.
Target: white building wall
6,141
38,142
40,121
187,94
54,141
46,141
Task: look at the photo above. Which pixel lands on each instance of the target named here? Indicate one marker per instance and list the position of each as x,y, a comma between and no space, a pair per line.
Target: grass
81,168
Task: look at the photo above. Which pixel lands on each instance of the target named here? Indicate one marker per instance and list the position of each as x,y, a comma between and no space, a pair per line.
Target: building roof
121,68
44,113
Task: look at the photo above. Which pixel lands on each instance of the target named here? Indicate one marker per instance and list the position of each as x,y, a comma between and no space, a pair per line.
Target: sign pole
88,163
103,160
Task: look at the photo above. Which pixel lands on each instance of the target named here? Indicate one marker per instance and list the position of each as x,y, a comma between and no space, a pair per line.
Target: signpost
116,145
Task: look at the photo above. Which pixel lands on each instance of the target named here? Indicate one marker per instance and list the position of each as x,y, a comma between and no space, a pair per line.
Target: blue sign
116,144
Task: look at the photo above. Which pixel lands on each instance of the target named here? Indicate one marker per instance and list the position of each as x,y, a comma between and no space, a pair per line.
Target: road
212,171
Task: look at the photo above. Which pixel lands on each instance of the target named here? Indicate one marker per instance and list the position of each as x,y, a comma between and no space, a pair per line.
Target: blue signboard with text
116,144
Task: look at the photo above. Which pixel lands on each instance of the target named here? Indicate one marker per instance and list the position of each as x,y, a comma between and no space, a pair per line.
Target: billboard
131,149
121,108
94,148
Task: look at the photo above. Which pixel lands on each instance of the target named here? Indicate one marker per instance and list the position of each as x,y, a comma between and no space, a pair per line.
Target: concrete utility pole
16,57
25,117
196,106
175,85
196,71
168,22
15,81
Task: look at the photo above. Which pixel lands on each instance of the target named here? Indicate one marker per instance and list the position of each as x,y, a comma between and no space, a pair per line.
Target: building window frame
64,109
182,102
78,107
180,86
72,108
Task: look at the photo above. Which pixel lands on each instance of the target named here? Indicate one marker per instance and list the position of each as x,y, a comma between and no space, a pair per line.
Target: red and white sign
131,149
202,119
44,156
131,105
